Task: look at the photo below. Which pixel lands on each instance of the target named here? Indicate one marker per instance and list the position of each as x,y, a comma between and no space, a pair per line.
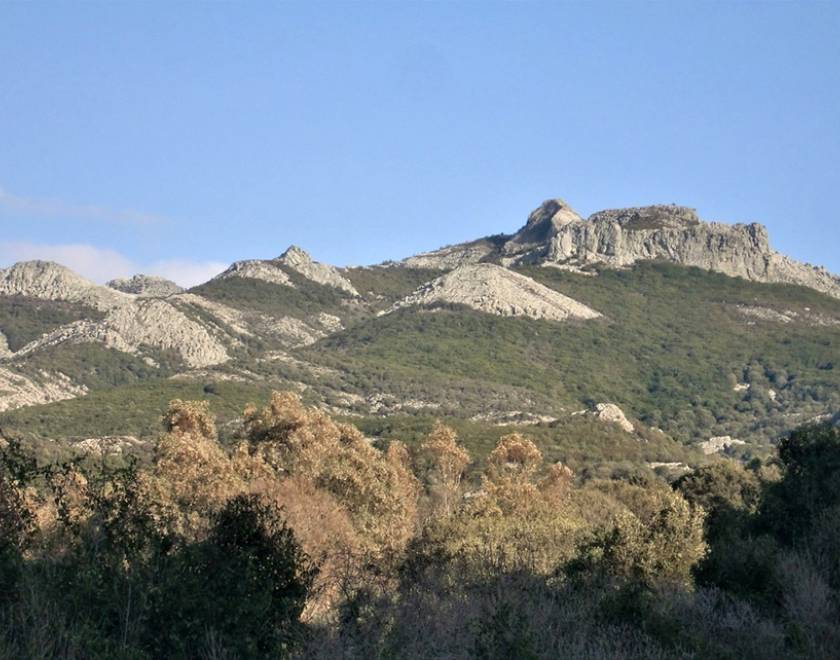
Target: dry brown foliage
440,463
512,522
379,493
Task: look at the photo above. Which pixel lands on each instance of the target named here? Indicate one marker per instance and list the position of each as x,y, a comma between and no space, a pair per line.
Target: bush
245,586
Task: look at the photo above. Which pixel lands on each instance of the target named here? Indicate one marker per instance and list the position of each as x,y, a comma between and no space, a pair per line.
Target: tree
246,584
441,462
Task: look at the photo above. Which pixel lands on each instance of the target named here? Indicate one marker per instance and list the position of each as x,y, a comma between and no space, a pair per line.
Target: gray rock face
296,259
612,414
138,323
674,233
257,269
496,290
451,256
146,285
18,390
130,322
51,281
556,235
543,224
300,261
719,443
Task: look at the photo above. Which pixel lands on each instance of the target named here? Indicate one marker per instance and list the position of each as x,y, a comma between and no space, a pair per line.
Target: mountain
555,235
693,329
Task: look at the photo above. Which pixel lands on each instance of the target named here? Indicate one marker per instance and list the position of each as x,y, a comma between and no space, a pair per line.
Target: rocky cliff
555,235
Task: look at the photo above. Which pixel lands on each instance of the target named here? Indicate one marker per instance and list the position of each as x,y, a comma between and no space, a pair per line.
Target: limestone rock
497,290
18,390
451,256
108,445
300,261
543,223
257,269
51,281
555,235
144,322
674,233
612,414
719,444
146,285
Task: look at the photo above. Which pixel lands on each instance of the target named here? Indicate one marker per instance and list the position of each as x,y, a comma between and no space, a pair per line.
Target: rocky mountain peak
543,222
145,285
554,211
48,280
555,235
295,255
299,260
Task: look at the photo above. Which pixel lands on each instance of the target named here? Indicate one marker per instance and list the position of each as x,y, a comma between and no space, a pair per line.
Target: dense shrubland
675,350
298,537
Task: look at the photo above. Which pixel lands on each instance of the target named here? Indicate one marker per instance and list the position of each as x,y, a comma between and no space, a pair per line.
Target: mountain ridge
555,235
562,313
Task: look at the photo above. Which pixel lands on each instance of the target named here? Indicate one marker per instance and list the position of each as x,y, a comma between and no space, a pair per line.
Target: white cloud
31,206
101,265
91,262
186,273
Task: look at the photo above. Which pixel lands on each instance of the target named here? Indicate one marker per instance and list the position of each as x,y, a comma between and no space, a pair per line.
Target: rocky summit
555,235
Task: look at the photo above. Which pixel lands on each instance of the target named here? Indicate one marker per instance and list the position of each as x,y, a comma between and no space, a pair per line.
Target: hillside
698,329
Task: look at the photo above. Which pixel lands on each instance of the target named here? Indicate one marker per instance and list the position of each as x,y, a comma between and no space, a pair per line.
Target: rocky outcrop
18,390
556,235
143,323
51,281
612,414
109,445
496,290
450,257
529,243
257,269
719,443
293,259
300,261
146,285
674,233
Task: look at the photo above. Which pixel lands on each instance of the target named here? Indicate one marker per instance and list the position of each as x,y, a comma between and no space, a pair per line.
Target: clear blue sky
179,137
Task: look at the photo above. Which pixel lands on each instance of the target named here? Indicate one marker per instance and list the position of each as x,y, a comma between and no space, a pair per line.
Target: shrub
246,585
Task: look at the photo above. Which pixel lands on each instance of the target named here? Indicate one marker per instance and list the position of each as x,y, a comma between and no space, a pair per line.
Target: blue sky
176,138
